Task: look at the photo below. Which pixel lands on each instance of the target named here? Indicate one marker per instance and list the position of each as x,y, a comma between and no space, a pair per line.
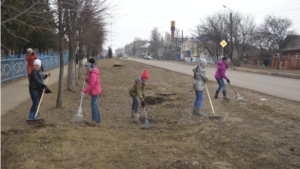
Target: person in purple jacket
220,75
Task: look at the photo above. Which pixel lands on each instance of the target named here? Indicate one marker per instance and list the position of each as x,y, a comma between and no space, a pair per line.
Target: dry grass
252,134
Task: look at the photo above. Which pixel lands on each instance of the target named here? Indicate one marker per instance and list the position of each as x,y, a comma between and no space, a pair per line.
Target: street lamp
231,43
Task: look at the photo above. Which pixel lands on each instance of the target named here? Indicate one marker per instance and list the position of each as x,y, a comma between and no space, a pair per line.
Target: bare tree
155,39
167,39
243,35
211,31
277,29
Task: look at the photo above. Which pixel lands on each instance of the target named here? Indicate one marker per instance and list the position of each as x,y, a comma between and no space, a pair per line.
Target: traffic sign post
223,44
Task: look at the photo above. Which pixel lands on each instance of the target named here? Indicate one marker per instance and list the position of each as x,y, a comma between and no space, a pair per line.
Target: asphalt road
273,85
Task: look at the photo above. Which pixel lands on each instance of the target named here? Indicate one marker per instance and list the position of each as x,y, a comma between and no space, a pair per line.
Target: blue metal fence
14,67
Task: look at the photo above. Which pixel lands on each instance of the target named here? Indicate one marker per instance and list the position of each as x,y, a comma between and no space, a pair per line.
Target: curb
289,75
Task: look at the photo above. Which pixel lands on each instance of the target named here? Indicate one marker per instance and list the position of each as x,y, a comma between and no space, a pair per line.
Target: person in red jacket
93,88
30,57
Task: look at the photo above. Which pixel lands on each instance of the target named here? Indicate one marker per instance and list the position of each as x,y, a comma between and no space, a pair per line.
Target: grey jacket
200,78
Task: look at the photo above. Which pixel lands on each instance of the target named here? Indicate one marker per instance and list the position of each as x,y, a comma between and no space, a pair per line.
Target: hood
96,71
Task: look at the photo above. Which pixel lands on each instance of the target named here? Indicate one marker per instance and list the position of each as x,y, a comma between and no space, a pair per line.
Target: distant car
148,58
125,56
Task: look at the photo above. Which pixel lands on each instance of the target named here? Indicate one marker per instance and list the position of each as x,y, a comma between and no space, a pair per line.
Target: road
273,85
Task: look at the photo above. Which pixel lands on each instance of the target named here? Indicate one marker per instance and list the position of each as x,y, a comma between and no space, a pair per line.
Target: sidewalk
14,93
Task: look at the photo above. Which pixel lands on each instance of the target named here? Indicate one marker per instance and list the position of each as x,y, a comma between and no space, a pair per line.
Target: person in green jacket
200,78
137,94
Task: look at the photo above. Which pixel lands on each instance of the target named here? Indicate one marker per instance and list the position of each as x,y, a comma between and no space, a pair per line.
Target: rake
78,118
240,98
212,107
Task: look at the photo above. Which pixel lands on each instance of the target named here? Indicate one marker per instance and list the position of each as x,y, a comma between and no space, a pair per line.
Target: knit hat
29,50
92,60
226,59
202,62
145,74
90,63
37,62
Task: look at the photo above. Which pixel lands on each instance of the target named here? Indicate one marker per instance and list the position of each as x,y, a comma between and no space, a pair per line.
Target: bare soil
251,134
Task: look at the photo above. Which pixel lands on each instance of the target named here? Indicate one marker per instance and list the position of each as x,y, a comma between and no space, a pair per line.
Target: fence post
12,67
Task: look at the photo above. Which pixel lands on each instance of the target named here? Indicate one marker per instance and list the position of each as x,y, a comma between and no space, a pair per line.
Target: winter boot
132,113
224,95
194,111
31,115
136,117
216,95
199,112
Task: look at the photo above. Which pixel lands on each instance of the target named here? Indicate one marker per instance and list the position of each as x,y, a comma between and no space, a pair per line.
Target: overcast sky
136,18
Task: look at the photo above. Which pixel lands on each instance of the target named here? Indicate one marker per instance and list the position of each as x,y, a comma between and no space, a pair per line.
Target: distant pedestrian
30,57
220,75
36,86
200,78
137,92
93,88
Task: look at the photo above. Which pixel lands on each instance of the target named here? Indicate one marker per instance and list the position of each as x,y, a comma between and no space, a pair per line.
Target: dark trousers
135,103
35,95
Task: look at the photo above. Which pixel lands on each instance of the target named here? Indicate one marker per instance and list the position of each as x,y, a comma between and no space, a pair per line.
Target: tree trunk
61,55
71,65
61,74
80,60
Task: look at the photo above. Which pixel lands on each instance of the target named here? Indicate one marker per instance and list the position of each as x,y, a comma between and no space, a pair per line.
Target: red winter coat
93,80
30,59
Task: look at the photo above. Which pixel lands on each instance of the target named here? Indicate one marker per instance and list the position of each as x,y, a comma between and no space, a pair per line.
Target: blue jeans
135,103
221,85
95,110
35,95
199,99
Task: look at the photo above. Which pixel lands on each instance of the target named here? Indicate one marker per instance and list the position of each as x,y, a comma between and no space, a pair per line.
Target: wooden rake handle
212,107
37,111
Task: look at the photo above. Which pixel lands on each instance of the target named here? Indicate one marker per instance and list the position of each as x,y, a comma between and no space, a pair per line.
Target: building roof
146,45
291,42
200,39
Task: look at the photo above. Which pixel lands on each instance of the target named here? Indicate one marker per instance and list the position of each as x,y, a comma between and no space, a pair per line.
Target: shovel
147,124
36,119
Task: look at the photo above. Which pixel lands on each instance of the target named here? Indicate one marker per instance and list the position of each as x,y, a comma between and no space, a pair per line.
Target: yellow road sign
223,43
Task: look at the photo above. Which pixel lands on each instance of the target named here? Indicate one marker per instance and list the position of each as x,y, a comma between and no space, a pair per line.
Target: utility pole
230,27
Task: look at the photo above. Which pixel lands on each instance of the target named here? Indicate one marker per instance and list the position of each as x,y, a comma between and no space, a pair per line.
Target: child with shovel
137,94
93,88
36,86
200,78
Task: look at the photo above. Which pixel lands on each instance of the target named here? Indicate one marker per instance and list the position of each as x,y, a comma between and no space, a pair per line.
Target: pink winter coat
220,73
93,81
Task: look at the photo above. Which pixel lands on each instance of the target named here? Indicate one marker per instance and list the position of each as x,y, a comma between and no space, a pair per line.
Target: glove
228,81
49,74
85,77
82,94
143,104
43,86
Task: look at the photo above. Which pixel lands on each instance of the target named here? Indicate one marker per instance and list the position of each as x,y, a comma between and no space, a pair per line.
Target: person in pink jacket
93,88
220,75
